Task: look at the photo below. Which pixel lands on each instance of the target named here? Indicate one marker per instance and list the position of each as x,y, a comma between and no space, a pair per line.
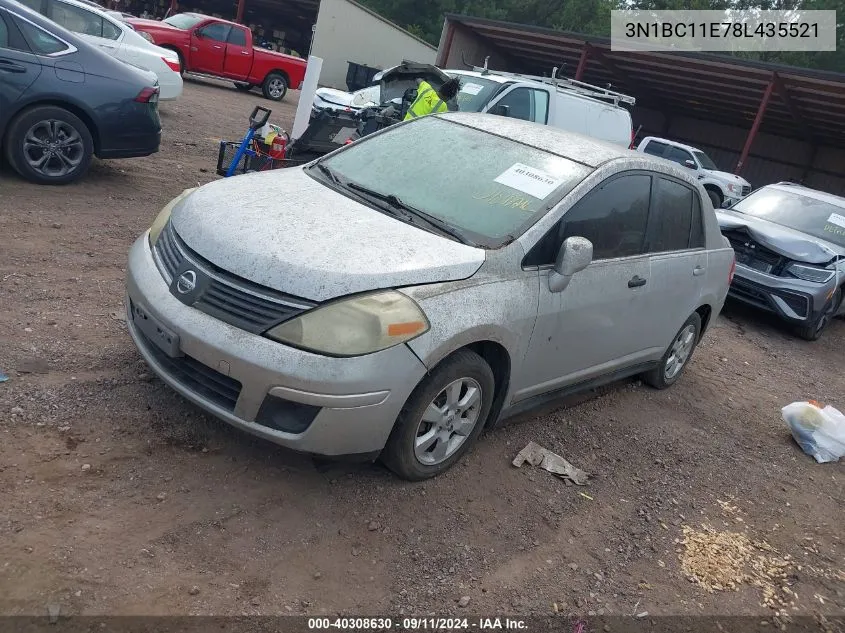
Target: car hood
725,176
782,240
336,97
395,81
284,230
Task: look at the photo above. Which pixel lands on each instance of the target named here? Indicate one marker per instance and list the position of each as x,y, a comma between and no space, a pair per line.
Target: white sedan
115,38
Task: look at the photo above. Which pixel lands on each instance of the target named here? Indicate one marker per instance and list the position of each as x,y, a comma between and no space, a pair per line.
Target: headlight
811,273
734,188
356,326
146,36
164,215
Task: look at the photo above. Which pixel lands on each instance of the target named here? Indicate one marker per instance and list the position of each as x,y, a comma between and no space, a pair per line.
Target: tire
813,331
243,87
715,198
275,87
667,372
465,369
72,146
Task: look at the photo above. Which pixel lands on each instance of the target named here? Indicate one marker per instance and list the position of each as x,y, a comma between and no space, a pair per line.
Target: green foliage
592,17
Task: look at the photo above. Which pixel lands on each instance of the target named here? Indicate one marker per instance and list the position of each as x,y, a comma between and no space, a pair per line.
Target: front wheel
812,331
49,145
275,87
677,356
442,418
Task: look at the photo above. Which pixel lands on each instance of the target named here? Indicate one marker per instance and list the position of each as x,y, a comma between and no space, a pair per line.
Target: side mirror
501,110
575,255
690,163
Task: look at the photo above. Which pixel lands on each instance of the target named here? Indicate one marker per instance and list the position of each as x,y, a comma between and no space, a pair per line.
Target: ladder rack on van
581,87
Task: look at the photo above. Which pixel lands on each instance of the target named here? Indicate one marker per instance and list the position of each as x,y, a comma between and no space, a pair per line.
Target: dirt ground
118,497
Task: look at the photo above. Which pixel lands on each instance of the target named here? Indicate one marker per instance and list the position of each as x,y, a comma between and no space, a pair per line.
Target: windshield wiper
328,172
412,213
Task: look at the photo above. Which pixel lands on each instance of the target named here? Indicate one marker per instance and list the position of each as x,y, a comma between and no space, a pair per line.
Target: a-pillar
752,133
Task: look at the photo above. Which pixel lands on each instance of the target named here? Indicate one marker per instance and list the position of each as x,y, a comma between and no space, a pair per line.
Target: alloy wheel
447,421
680,352
53,148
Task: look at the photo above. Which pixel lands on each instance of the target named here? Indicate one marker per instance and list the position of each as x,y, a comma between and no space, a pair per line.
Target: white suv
724,188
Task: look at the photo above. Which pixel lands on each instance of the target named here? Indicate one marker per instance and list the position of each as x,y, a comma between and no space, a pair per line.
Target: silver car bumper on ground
337,406
792,299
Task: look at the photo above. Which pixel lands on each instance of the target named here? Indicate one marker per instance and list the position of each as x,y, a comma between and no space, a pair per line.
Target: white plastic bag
819,432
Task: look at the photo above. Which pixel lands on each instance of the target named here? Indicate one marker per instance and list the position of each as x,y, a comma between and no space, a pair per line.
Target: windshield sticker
838,220
472,89
505,199
530,180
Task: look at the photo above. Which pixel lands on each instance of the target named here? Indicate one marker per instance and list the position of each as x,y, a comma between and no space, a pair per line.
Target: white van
571,105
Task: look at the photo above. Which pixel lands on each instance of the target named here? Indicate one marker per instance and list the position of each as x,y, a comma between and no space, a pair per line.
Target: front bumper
791,299
230,373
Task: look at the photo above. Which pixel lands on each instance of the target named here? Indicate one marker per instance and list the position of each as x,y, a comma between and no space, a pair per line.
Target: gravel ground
121,498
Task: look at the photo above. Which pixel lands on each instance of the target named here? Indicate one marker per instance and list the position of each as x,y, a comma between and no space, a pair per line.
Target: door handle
636,281
216,46
194,49
244,52
11,67
698,271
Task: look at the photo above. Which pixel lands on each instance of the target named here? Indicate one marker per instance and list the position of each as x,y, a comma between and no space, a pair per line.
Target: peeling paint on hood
284,230
780,239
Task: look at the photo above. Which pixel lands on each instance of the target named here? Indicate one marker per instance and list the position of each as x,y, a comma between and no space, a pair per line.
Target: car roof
801,190
583,149
671,142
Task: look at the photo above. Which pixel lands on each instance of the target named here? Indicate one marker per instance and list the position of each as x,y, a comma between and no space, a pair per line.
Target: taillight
148,95
633,138
172,64
733,270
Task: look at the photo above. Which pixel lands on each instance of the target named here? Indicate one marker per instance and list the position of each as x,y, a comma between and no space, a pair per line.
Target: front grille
196,377
236,301
746,189
754,255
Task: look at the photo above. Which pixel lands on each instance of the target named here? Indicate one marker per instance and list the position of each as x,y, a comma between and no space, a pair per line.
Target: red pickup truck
220,48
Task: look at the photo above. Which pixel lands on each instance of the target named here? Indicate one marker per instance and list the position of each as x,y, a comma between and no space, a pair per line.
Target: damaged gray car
790,254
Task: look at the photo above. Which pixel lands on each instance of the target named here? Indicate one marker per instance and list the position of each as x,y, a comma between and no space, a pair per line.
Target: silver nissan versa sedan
401,294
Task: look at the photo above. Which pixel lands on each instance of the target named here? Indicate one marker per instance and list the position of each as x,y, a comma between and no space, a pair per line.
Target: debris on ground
722,561
3,377
819,431
536,455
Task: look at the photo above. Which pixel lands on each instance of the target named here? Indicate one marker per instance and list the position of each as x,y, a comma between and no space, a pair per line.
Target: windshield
475,93
808,215
183,21
484,185
705,161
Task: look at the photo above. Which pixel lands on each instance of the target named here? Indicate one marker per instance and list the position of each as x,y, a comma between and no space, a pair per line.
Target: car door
528,104
238,61
596,324
675,240
208,48
89,25
19,68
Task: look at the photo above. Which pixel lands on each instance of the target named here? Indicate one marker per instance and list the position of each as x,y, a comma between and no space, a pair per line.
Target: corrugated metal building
767,121
349,32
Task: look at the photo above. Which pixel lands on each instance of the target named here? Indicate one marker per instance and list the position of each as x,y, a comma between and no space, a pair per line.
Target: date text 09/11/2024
417,624
724,30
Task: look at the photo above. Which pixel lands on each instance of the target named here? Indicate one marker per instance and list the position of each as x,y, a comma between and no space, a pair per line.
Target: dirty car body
345,320
788,241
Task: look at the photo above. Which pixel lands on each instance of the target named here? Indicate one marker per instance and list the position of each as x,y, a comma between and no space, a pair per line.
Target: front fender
471,311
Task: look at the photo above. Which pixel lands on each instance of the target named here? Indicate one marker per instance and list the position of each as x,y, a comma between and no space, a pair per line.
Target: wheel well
714,188
79,112
705,313
499,360
278,72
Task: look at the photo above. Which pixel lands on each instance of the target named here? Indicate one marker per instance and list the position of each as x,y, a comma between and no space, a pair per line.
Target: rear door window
237,37
40,41
671,221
